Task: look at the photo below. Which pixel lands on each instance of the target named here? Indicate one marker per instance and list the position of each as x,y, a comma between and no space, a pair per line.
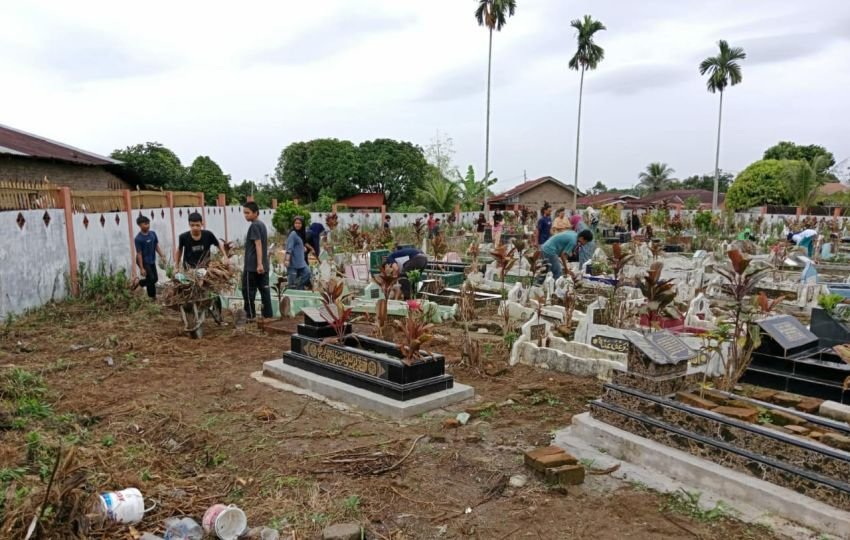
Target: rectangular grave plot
784,335
658,386
658,355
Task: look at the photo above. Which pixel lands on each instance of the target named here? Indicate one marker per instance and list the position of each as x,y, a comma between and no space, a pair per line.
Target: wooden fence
32,196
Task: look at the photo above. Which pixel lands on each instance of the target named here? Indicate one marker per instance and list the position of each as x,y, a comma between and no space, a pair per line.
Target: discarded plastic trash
226,522
463,418
263,533
125,506
109,361
182,529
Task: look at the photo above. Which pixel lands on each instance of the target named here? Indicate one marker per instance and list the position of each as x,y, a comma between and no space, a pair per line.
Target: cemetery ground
132,402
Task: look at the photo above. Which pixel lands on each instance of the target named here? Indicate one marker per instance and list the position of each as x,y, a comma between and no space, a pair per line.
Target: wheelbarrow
194,313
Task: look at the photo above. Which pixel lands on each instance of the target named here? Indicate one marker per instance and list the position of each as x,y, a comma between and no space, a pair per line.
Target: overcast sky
241,82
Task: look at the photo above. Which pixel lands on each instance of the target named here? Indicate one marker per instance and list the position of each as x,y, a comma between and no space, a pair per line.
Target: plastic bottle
183,529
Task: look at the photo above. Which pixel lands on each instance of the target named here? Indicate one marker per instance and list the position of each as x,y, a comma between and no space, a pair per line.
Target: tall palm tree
438,194
802,180
494,15
655,177
587,56
723,70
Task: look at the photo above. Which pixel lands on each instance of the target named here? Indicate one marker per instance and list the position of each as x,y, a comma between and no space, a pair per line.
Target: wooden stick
399,462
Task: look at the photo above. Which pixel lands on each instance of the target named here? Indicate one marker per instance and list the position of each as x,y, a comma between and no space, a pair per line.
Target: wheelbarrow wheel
215,311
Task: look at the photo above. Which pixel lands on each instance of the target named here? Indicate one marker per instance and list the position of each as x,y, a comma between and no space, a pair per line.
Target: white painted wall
373,219
33,260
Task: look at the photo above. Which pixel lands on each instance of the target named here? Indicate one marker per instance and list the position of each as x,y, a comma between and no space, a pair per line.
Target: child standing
147,248
255,273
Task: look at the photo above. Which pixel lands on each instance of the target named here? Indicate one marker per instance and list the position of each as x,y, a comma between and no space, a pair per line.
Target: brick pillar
274,204
222,202
383,214
65,197
203,208
169,200
128,207
250,198
799,211
836,212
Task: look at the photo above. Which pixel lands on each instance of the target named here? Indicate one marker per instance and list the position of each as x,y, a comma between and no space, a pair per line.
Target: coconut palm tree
802,180
587,56
438,194
723,70
655,177
494,15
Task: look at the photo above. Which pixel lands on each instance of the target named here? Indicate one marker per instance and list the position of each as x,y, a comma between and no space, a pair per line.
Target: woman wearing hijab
298,272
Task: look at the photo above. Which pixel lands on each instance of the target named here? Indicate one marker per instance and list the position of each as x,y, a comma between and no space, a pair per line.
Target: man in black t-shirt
193,247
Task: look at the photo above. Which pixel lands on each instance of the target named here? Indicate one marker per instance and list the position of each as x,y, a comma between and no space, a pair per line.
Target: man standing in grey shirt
255,273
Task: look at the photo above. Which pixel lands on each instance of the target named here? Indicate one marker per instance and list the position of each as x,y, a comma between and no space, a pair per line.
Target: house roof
526,186
676,196
833,188
601,199
363,200
20,143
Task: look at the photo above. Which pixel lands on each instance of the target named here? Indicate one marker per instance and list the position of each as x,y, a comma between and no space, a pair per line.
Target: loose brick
786,400
739,403
566,475
716,396
816,435
547,458
695,401
797,430
451,423
738,413
782,418
809,405
836,441
764,394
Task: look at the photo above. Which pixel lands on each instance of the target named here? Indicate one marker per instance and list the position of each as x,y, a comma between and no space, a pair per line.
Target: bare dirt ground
183,421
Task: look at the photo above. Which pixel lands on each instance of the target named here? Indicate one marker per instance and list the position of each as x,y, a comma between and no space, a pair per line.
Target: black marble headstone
785,336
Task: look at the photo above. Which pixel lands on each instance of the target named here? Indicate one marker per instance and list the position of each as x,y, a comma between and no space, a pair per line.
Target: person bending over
555,249
403,260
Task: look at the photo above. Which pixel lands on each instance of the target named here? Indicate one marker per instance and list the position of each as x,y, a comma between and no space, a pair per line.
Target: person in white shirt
804,239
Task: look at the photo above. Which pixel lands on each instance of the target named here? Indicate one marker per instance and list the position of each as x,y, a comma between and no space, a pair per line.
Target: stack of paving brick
555,465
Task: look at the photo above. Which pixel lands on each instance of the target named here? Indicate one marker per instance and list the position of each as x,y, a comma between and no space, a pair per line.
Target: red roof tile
364,200
21,143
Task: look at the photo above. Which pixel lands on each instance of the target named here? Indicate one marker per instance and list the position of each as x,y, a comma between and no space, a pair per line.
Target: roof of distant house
363,200
20,143
602,199
677,196
525,186
832,188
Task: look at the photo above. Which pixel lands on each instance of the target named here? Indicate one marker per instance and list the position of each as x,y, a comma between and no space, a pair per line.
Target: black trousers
150,279
251,283
417,262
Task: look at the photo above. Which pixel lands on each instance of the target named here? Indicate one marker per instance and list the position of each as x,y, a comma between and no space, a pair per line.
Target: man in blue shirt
403,260
315,233
556,248
544,225
147,247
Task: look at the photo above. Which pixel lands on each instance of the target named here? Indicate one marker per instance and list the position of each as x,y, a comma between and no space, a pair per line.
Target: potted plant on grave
415,332
386,280
659,294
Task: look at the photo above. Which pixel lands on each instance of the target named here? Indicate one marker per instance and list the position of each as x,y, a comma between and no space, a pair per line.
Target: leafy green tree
803,178
587,57
325,202
438,194
705,181
763,182
598,188
262,193
790,150
152,165
472,191
656,177
494,15
304,168
395,168
206,176
723,70
285,215
692,203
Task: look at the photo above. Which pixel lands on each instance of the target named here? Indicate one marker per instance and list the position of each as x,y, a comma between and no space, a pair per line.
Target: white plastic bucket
227,522
125,506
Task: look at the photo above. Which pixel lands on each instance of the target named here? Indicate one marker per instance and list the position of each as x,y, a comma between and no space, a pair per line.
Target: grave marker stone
785,336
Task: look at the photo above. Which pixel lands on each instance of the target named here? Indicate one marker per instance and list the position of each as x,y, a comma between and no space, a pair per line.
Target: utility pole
524,176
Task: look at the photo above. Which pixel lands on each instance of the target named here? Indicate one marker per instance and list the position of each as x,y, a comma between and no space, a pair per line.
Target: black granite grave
829,330
364,362
793,359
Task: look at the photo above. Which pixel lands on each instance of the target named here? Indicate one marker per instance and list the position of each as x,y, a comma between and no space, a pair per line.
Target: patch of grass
637,485
33,407
544,397
764,417
487,414
352,505
8,474
19,383
688,503
108,440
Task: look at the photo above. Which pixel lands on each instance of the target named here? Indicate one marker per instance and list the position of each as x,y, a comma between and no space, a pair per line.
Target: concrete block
342,531
797,430
764,394
835,410
809,405
836,441
695,401
738,413
364,399
786,400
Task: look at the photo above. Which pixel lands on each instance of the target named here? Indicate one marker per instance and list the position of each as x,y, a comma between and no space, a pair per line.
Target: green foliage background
759,184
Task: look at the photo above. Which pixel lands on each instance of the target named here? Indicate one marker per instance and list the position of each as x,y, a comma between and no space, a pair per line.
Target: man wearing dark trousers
147,247
404,260
255,272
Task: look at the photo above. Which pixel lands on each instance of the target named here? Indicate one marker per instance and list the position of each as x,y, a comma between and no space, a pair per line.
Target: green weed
688,503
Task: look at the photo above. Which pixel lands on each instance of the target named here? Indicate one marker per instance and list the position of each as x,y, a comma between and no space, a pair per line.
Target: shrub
759,184
285,214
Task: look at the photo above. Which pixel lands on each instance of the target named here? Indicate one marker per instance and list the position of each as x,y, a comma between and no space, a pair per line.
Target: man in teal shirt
556,248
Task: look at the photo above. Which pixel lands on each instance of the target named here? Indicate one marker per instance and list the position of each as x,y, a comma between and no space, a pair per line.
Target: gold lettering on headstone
345,359
610,344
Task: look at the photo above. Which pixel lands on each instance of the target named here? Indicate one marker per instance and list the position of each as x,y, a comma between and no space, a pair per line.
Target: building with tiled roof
533,194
